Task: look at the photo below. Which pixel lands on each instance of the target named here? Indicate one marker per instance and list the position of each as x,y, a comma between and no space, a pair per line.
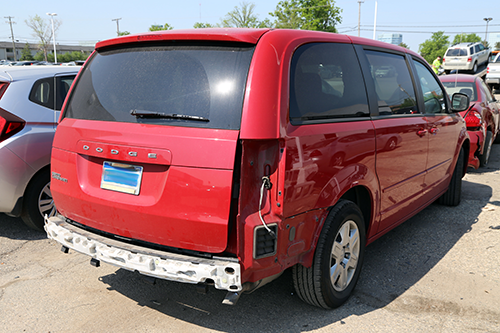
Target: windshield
456,53
164,84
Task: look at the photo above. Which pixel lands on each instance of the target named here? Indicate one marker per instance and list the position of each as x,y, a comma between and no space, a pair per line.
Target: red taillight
473,120
3,87
9,124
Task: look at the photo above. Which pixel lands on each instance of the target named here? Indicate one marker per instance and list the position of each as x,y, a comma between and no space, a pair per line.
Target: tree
430,49
404,45
242,17
156,27
199,25
26,53
320,15
466,38
42,30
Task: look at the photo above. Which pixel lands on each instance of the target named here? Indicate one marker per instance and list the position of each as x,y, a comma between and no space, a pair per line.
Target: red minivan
225,156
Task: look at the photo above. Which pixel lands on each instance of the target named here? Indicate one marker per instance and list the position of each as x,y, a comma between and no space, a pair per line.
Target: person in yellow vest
436,64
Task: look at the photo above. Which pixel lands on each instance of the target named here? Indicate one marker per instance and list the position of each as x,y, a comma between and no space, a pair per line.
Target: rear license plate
121,177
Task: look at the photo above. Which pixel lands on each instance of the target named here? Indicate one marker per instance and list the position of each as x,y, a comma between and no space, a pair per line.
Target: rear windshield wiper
152,114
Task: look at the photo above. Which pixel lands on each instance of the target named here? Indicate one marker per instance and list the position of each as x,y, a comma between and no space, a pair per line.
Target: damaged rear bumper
224,272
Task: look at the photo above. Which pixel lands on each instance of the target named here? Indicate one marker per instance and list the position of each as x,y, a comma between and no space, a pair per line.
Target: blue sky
91,20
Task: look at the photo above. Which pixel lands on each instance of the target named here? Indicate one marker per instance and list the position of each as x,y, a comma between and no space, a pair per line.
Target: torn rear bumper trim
226,274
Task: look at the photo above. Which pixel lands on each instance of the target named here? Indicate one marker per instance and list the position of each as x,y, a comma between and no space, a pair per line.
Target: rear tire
38,201
452,196
337,261
485,156
474,69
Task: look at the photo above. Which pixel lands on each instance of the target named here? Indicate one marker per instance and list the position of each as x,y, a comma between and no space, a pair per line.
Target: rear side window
50,92
326,84
180,85
393,83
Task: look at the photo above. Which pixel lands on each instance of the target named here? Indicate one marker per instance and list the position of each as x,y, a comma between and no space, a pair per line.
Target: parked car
30,102
215,159
465,56
493,73
482,117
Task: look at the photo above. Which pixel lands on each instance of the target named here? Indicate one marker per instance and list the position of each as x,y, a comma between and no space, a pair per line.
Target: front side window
393,83
326,84
179,84
434,101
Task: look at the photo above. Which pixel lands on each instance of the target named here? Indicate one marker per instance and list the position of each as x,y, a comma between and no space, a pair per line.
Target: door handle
421,133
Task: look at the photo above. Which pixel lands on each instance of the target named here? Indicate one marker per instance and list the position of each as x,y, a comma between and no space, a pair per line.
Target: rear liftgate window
326,84
180,85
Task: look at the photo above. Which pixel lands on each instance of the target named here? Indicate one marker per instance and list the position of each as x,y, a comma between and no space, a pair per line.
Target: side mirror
459,102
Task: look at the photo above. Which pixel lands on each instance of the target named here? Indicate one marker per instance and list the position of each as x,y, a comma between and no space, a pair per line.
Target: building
7,50
493,39
395,39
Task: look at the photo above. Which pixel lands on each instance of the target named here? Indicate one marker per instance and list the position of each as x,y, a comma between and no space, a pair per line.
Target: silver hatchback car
30,102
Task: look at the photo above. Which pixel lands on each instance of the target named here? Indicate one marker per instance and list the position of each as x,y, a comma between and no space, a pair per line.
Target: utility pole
117,26
12,35
359,17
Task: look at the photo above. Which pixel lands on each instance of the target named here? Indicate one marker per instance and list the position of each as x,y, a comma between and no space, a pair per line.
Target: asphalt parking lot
437,272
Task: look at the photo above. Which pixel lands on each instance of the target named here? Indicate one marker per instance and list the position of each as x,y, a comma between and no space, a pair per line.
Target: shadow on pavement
14,228
393,264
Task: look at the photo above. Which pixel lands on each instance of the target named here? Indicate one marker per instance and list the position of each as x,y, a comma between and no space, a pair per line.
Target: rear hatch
147,143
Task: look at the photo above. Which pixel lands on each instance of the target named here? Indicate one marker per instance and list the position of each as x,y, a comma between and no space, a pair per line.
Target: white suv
465,56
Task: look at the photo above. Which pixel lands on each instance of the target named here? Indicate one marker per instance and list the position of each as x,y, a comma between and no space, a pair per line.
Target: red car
482,117
225,156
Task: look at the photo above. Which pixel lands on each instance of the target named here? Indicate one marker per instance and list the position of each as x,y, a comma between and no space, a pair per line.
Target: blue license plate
121,177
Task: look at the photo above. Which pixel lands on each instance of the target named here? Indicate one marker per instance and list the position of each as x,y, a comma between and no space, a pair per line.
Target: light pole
53,34
487,19
359,17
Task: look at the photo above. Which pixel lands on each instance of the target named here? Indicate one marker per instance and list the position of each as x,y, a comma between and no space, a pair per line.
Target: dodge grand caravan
225,156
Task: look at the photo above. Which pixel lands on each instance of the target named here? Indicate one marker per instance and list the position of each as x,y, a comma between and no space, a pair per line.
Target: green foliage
433,47
123,33
243,17
26,53
320,15
404,45
199,25
63,57
156,27
466,38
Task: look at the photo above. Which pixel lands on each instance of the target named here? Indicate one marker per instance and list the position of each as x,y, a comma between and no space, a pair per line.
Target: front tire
330,280
38,201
